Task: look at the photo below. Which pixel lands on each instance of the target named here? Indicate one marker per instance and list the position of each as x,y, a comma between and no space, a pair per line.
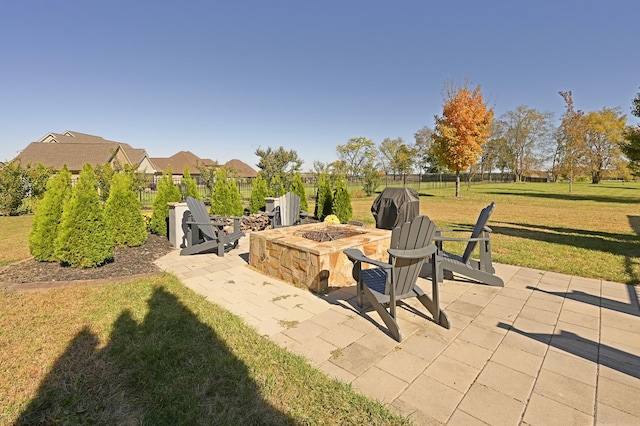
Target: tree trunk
457,184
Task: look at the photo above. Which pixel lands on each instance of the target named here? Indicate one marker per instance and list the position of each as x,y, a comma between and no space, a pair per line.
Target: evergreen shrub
258,194
298,188
167,193
324,197
342,201
48,215
123,213
83,238
225,197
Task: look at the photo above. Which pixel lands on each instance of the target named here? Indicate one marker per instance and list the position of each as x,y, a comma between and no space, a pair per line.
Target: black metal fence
417,182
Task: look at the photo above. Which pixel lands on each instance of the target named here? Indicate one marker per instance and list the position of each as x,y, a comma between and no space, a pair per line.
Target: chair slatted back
199,213
289,208
411,235
483,219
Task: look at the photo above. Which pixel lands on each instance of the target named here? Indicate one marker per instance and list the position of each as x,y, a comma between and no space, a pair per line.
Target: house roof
181,159
75,156
243,169
74,148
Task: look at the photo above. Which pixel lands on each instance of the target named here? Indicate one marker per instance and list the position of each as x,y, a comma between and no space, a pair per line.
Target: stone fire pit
310,256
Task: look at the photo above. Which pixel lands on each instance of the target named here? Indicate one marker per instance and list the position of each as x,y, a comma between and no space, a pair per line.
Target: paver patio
546,349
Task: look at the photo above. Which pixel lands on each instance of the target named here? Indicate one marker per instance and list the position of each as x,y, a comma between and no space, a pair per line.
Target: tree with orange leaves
463,128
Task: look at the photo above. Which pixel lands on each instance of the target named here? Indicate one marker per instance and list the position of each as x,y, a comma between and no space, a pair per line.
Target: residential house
76,149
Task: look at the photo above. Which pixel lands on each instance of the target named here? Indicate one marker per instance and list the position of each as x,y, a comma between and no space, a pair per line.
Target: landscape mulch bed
128,263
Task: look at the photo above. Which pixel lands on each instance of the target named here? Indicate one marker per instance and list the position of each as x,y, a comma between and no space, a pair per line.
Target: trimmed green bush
298,188
11,189
342,201
83,239
47,219
276,188
191,184
324,197
123,213
225,197
167,193
258,194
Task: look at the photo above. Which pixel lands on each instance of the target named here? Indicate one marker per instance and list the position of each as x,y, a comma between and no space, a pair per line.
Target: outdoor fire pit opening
329,233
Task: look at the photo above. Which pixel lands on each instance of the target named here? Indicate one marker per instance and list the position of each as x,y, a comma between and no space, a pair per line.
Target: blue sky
222,78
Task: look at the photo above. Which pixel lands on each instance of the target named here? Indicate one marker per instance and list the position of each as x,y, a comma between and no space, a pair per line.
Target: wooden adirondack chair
388,283
205,235
288,212
480,270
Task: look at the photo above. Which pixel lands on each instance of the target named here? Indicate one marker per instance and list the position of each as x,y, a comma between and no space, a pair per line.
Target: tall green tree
524,132
12,188
631,146
278,163
571,138
357,153
604,137
83,239
168,192
123,213
389,151
48,216
425,161
462,129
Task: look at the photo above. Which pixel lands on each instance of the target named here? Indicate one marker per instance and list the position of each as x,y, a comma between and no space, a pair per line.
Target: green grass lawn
593,232
153,352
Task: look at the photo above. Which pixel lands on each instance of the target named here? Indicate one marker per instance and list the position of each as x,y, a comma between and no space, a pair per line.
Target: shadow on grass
568,197
169,369
572,343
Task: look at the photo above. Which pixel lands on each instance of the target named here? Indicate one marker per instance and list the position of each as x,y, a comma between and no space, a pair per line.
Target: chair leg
433,304
389,321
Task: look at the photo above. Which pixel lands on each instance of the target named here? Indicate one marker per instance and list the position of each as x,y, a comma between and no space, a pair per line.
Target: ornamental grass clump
124,214
47,219
83,238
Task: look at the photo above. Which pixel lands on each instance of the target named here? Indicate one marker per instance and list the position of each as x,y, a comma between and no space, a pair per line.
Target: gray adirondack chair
288,212
481,269
205,235
386,284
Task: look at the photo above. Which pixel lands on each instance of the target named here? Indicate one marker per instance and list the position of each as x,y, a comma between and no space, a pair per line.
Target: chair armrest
463,240
414,253
356,255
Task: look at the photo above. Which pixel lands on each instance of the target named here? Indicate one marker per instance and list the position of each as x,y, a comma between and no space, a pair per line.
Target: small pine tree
324,197
342,201
191,184
258,194
47,219
225,197
124,214
167,193
275,187
235,199
83,239
298,188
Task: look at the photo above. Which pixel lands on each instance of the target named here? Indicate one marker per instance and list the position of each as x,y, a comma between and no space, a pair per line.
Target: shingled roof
75,149
181,159
243,169
75,156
